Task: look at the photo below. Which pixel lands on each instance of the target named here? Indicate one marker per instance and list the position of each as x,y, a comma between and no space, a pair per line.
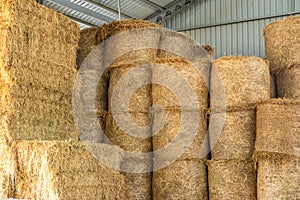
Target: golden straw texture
184,179
62,170
282,41
288,83
239,82
278,128
235,138
231,179
277,176
37,68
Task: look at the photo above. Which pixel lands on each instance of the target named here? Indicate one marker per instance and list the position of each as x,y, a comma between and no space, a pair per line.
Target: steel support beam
154,5
96,3
83,10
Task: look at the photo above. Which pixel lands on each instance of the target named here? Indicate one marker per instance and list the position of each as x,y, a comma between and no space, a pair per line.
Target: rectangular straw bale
173,77
37,71
239,82
288,83
47,169
278,127
277,176
184,179
130,132
282,41
232,134
133,82
231,179
169,130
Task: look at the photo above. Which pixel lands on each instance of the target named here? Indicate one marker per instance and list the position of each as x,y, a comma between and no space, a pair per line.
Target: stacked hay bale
277,149
282,49
37,72
179,126
66,170
130,47
38,51
237,83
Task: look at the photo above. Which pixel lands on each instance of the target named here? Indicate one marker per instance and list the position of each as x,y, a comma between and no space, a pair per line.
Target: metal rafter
96,3
83,10
154,5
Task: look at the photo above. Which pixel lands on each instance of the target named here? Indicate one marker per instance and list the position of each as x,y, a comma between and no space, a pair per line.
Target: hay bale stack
62,170
278,128
170,131
37,71
130,81
277,176
173,77
232,134
182,179
231,179
288,83
239,82
282,41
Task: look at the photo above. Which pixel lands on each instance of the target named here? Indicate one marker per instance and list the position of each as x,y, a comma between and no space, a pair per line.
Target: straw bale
282,41
87,43
174,77
129,131
231,179
179,139
37,71
273,86
116,27
277,176
232,134
133,82
239,82
184,179
7,164
288,83
56,170
174,44
278,128
129,41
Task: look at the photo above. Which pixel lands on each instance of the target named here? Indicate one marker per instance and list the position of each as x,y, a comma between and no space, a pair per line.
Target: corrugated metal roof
97,12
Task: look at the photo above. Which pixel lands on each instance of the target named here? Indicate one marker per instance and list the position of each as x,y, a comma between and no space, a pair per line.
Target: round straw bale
174,44
115,27
169,128
172,78
235,139
273,86
231,179
278,127
288,83
132,82
239,82
277,176
129,40
282,41
131,132
186,179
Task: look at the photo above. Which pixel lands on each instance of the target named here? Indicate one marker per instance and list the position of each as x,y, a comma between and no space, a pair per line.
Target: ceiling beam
154,5
96,3
83,10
